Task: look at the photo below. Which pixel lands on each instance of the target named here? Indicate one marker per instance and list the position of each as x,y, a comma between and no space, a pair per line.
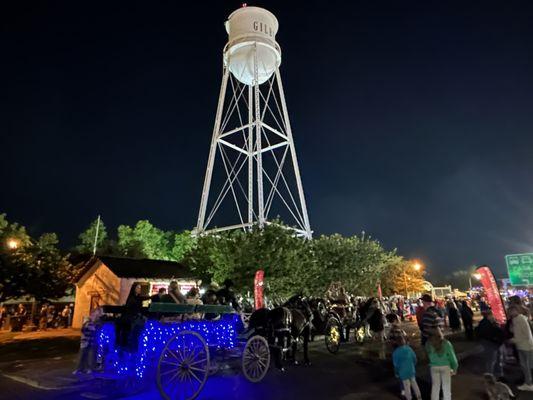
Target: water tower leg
200,227
303,206
250,157
258,147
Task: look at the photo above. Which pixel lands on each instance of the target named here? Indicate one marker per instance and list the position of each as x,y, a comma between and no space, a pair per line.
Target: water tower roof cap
256,9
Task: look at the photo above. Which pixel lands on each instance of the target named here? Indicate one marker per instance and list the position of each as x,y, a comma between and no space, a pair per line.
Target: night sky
413,120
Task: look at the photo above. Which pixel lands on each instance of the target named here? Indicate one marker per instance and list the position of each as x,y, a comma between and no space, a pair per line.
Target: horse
321,315
302,321
283,326
371,316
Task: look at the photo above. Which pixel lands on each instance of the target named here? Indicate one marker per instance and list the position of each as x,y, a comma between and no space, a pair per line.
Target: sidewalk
7,336
42,344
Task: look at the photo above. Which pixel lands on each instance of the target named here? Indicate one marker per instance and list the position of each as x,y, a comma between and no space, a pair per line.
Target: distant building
107,281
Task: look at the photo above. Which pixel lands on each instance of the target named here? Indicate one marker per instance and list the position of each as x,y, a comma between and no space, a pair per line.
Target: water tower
252,148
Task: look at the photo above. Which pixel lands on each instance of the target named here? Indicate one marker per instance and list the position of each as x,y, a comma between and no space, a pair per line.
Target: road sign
520,268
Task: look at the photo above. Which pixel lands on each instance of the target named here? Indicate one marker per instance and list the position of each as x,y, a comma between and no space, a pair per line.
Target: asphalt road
355,373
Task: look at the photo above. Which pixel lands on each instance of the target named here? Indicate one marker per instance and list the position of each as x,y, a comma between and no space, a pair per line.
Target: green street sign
520,268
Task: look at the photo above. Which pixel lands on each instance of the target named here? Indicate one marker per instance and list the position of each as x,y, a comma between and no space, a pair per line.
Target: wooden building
108,280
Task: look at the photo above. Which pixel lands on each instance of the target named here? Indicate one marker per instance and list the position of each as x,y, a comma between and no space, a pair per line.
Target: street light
13,244
476,276
417,266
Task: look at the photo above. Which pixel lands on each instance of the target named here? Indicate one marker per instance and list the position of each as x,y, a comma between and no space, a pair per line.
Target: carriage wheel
183,367
255,358
332,335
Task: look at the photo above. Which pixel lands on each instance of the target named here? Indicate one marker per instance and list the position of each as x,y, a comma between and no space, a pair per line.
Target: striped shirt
431,320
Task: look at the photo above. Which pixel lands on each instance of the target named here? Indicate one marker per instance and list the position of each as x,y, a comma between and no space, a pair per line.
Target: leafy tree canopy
35,267
144,240
87,238
292,264
400,277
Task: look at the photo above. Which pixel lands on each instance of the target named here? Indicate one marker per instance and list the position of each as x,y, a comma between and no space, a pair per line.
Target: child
395,330
404,360
443,364
88,332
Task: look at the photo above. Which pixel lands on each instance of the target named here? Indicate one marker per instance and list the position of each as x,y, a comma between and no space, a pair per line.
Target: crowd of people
499,343
47,316
381,319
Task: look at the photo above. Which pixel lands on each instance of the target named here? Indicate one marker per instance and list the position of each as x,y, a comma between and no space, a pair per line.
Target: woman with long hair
132,319
443,364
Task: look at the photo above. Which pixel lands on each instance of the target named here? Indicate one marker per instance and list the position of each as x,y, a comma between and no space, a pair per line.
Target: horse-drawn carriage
177,352
334,316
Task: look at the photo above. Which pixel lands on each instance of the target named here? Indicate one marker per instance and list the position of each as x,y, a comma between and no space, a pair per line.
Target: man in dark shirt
156,298
227,296
491,337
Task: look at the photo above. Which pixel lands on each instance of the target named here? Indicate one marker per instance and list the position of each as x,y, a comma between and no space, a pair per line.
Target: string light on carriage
219,334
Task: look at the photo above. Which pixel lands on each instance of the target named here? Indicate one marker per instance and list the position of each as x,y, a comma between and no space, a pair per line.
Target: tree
35,268
291,264
356,262
49,272
12,232
144,241
399,277
88,236
182,243
238,255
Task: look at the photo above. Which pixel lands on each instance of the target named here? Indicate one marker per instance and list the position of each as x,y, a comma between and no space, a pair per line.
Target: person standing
87,342
443,364
43,317
132,319
65,316
453,315
374,317
21,315
491,336
51,316
404,361
21,311
430,320
523,340
467,315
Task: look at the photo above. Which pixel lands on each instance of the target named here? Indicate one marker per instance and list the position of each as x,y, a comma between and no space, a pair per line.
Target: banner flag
493,294
258,289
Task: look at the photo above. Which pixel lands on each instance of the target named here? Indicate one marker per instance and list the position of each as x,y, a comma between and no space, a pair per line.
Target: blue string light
218,334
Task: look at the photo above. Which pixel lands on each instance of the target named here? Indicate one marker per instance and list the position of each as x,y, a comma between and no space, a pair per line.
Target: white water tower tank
250,30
